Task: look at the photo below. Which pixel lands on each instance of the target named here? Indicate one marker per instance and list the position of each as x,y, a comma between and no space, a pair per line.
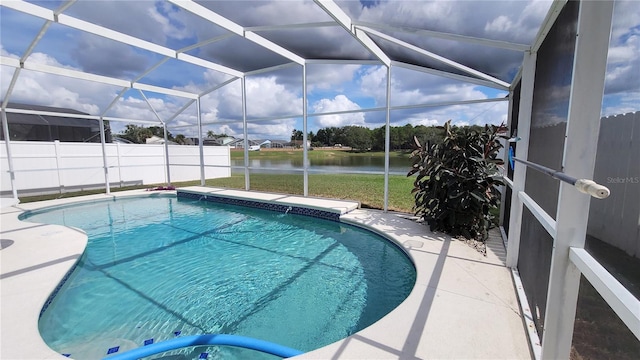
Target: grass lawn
318,154
367,189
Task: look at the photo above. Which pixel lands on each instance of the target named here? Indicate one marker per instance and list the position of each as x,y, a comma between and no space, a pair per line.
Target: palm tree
210,134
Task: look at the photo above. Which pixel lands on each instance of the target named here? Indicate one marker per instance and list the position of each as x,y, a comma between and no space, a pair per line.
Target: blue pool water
156,268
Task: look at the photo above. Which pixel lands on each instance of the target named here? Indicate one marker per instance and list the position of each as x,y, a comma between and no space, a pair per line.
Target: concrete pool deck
463,305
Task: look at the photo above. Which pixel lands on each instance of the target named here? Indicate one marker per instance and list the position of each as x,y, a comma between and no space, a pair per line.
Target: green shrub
455,186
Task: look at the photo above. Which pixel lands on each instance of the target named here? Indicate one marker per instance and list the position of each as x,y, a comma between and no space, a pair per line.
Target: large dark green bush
455,186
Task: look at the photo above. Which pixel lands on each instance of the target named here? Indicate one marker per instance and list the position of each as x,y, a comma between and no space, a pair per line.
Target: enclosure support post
103,140
247,183
12,174
581,139
166,138
119,154
200,142
56,149
305,153
503,193
387,135
522,152
166,154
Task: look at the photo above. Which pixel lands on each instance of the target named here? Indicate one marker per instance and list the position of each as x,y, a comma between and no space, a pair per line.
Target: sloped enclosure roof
112,58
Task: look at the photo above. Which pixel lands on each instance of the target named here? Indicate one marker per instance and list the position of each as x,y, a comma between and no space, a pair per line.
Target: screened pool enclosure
258,71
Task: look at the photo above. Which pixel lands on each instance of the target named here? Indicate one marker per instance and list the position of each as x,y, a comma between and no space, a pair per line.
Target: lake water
397,166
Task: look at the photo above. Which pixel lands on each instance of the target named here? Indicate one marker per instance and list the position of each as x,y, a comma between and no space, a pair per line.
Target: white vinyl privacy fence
51,167
617,220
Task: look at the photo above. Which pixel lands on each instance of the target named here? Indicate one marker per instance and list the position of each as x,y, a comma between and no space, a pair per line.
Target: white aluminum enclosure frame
332,9
569,258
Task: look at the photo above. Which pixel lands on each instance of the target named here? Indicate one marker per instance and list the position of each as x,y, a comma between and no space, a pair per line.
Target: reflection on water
397,165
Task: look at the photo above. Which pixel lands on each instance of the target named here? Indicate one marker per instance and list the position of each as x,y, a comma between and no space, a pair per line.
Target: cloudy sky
278,93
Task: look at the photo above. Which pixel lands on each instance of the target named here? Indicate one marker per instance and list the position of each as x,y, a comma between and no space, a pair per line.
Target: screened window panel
534,265
513,131
550,107
546,143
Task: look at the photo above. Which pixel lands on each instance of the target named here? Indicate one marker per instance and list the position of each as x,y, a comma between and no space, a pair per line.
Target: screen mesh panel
546,144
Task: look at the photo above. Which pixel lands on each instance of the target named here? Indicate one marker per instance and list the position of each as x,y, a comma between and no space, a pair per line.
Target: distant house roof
158,140
225,140
236,142
34,119
12,105
46,127
240,142
117,139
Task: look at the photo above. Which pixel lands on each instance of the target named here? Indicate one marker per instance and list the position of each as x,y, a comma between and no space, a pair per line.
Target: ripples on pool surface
157,267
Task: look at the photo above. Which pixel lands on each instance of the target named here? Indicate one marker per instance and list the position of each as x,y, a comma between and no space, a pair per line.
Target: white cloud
625,17
434,94
280,130
137,18
44,59
225,129
133,108
212,77
50,90
423,121
57,96
518,25
513,21
410,88
624,52
623,61
176,29
4,52
271,12
500,24
621,103
6,72
460,115
373,82
44,89
438,14
271,130
102,56
265,97
339,103
329,76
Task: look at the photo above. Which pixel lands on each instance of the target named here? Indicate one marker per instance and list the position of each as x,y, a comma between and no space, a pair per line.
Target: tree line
139,134
361,138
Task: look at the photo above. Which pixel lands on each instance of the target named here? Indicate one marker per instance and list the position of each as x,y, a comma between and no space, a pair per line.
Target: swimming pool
156,268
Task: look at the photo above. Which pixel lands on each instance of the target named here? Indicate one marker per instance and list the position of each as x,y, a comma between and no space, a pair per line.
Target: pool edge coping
355,217
43,276
46,289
